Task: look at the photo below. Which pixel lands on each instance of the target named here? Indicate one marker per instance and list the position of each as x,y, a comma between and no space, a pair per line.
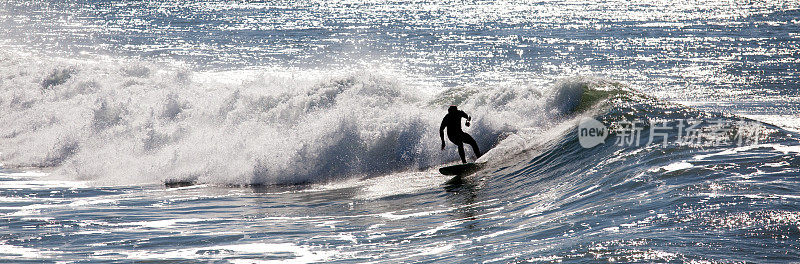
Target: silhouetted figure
452,121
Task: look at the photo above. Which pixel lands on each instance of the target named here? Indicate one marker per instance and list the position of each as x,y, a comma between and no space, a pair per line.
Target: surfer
452,121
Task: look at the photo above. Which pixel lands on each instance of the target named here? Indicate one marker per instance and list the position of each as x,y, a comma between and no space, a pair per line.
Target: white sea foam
133,122
300,254
401,183
777,147
40,185
163,223
681,165
395,216
24,252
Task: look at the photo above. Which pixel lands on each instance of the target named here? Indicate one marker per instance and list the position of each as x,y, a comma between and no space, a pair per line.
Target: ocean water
306,131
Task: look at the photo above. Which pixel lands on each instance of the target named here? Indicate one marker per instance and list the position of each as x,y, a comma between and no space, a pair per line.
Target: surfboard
460,169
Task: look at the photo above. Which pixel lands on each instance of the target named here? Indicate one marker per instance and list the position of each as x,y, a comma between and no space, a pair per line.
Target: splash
136,122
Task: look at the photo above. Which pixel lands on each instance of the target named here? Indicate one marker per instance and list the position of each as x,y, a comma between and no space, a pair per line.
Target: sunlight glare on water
306,131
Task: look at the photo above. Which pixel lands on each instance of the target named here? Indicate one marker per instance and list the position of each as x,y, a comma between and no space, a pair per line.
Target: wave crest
128,123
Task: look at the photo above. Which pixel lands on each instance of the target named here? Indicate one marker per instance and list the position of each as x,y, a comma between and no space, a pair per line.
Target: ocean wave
130,122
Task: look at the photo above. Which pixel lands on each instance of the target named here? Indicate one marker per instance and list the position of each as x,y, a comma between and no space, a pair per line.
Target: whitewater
307,131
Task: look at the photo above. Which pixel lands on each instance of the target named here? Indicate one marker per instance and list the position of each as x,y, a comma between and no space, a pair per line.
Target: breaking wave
128,122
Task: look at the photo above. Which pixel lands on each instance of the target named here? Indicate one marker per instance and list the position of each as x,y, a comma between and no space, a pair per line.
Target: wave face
143,123
647,202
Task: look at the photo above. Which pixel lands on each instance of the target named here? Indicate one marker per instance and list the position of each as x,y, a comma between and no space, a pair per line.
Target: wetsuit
452,121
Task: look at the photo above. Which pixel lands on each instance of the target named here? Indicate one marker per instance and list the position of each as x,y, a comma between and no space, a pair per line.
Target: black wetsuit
452,121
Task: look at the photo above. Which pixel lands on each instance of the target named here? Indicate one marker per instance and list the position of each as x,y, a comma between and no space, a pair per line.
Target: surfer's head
452,109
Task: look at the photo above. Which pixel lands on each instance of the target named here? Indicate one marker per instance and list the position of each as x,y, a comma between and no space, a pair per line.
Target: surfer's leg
461,152
469,140
458,140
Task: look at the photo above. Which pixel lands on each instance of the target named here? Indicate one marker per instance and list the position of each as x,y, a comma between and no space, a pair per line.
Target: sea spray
136,122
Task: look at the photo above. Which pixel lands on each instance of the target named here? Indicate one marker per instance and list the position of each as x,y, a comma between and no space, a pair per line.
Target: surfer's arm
441,132
465,115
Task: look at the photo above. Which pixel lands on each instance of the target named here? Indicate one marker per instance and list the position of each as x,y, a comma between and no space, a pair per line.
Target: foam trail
135,122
